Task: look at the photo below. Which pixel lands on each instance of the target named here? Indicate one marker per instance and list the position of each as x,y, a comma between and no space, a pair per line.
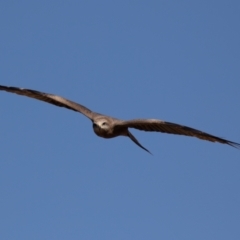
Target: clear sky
177,61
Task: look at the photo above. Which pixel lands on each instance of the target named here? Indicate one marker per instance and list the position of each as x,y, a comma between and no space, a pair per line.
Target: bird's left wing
50,98
155,125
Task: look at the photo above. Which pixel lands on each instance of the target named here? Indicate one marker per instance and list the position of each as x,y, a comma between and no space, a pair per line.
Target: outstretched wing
50,98
154,125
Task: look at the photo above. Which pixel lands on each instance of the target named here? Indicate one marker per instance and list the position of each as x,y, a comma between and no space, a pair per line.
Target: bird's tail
136,141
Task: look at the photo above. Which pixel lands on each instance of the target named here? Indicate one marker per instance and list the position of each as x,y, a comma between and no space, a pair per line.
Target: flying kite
109,127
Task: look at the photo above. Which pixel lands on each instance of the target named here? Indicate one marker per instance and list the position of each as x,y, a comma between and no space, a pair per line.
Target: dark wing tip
233,144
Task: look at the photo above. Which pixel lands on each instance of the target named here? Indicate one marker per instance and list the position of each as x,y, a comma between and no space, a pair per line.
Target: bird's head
101,125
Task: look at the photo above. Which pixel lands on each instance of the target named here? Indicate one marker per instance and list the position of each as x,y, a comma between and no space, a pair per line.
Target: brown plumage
108,127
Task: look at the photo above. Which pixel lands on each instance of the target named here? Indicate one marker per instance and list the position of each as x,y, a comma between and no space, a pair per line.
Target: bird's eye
104,123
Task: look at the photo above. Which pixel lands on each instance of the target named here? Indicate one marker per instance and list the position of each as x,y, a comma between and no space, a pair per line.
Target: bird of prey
108,127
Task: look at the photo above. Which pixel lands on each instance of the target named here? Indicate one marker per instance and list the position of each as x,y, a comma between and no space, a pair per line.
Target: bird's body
108,127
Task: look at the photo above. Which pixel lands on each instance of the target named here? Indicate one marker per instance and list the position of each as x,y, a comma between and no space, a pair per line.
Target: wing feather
173,128
52,99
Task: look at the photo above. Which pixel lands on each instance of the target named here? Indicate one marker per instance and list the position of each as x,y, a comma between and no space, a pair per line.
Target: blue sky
173,60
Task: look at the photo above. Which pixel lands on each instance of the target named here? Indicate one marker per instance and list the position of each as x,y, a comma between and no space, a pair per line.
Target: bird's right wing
50,98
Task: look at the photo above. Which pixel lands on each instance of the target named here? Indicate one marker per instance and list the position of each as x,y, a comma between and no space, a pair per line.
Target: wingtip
234,144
